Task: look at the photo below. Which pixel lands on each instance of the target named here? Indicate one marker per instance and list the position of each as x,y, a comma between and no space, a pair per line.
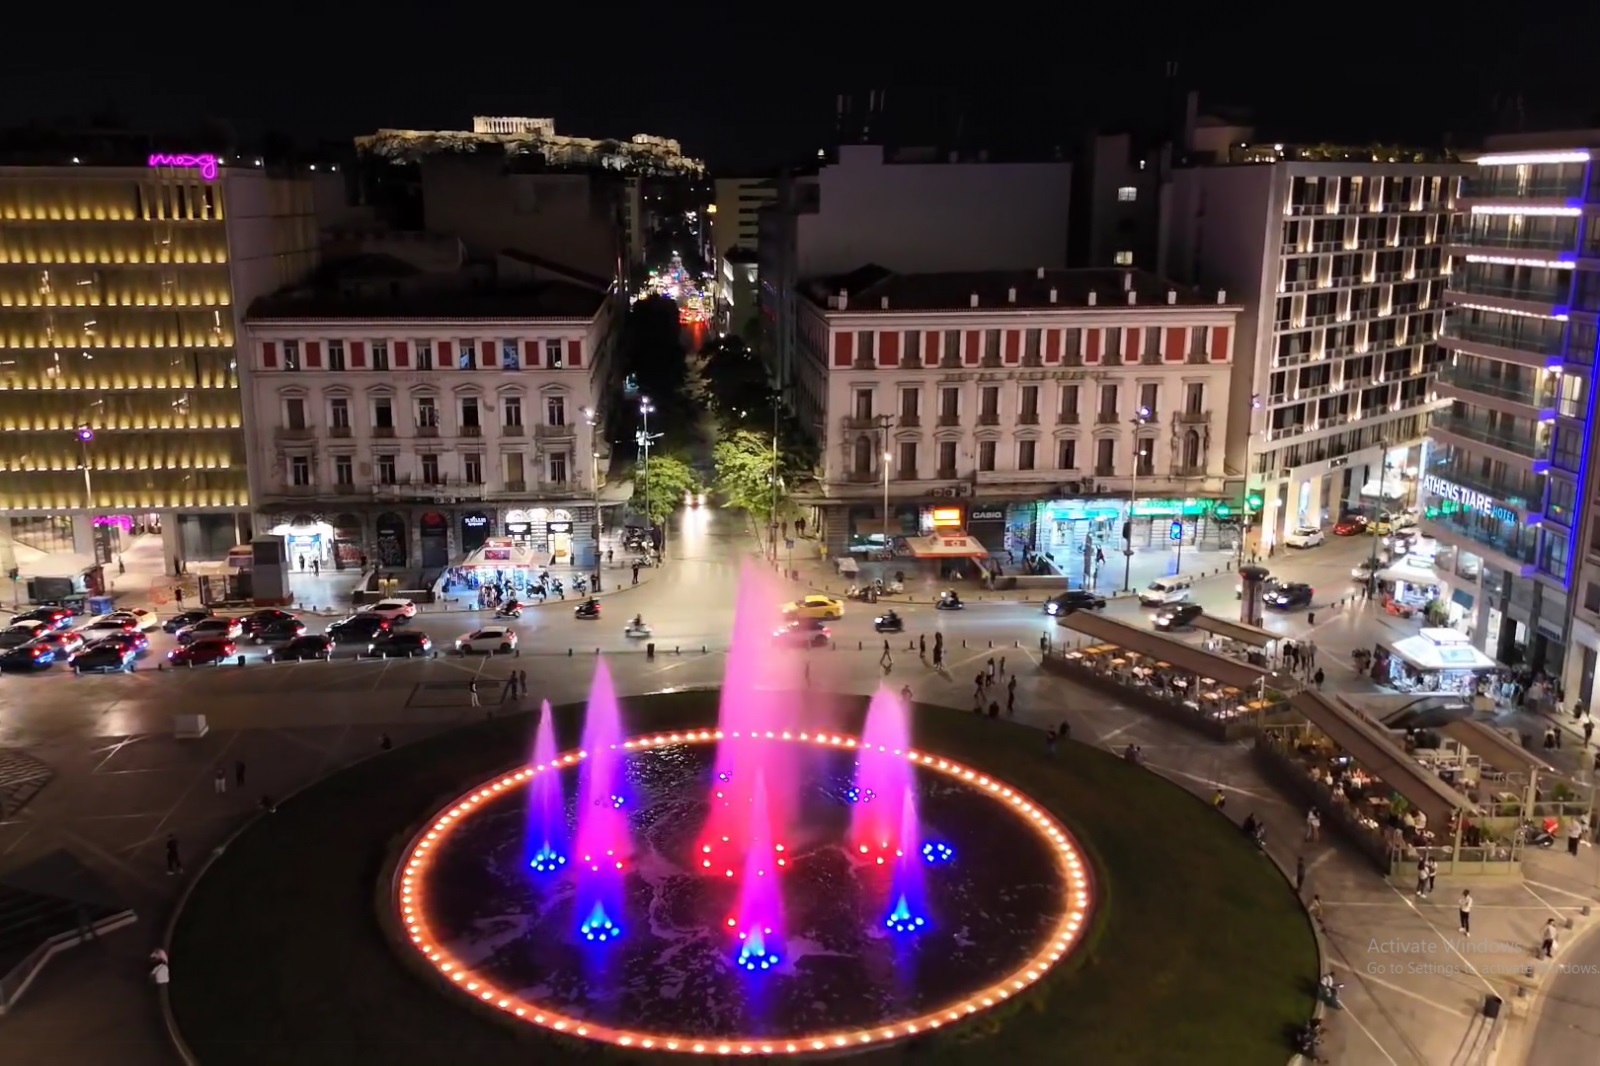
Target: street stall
946,555
1386,802
505,562
1218,696
1435,660
1235,639
1409,585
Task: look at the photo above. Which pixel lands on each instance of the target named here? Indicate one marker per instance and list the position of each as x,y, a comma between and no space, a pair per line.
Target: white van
1166,590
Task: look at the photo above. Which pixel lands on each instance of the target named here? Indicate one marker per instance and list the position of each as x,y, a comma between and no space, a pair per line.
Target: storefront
1435,660
545,531
476,528
393,549
1070,528
307,539
348,541
434,529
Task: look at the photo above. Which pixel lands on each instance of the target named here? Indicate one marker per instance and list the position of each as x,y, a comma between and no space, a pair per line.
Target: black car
19,633
803,633
359,629
1178,616
54,617
1285,597
265,618
33,656
277,631
403,645
184,620
103,656
315,646
1074,600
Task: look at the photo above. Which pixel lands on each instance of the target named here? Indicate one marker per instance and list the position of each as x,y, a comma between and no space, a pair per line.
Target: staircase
22,777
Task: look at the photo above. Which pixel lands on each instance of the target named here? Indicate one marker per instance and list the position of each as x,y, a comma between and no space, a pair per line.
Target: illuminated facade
119,394
410,428
1507,483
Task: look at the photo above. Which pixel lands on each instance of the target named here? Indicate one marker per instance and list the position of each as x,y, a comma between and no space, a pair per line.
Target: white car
392,610
487,641
146,620
1304,537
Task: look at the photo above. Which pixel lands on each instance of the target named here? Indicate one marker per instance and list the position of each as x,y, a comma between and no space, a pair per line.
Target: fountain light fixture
936,851
859,795
547,860
1071,923
617,802
902,920
599,927
753,954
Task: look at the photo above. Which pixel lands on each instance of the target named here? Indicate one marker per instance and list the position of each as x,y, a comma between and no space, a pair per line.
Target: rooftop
1279,152
873,288
382,286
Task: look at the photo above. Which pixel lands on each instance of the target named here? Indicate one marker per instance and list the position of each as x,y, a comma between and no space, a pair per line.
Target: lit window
1124,259
1127,194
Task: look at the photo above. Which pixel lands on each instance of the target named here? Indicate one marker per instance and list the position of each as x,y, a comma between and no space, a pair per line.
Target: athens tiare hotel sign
1469,500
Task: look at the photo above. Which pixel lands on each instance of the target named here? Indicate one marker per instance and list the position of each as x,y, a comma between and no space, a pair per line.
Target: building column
83,534
171,542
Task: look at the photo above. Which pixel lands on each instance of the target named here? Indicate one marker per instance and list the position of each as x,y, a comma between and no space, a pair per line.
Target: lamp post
1383,471
591,417
1139,421
776,397
645,407
85,434
885,424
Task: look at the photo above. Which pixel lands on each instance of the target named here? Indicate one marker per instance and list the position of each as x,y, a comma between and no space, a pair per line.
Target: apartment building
409,420
1339,258
1037,409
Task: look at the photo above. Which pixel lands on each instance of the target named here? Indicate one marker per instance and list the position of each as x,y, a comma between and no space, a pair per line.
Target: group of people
986,681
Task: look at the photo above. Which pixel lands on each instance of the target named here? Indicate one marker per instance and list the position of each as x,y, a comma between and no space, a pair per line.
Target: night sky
756,86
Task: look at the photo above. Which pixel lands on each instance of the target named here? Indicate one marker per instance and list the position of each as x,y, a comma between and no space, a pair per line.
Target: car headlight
1051,608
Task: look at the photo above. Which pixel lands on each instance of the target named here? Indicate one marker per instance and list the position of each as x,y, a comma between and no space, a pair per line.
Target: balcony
1516,545
902,473
1480,431
861,422
1180,471
516,486
1529,394
1523,494
910,421
383,431
1555,292
1107,418
428,431
472,431
1546,344
862,477
989,418
517,430
549,432
339,431
1193,418
1066,418
946,473
1028,418
1105,470
300,491
1504,185
950,418
1498,238
294,433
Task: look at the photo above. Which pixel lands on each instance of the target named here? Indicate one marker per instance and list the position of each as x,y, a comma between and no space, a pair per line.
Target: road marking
1552,888
1369,979
1348,1013
1411,902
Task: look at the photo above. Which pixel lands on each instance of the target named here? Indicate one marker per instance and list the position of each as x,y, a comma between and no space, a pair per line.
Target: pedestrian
1464,910
1588,731
174,864
610,555
121,569
472,690
635,573
302,562
1549,738
1422,878
1547,942
991,668
384,743
1011,702
177,595
1574,835
977,686
1432,872
905,693
238,772
1318,678
922,647
267,805
219,782
1050,743
1580,710
807,673
316,567
1313,825
1011,686
1218,799
522,681
1311,618
1002,664
977,702
1299,873
1311,654
886,660
161,972
1314,909
1064,730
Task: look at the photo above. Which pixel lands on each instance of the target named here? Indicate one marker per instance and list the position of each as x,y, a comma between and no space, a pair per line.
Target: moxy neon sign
205,164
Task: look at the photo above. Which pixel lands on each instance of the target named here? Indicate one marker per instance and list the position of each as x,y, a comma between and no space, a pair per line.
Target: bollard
650,650
860,646
519,653
677,649
991,644
597,651
1016,643
963,642
569,653
702,649
241,660
191,664
911,645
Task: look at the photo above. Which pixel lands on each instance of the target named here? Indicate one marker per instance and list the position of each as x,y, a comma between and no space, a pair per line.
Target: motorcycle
949,602
580,586
511,611
638,630
1537,836
889,623
587,609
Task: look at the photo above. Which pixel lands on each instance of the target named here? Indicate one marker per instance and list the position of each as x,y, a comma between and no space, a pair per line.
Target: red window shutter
1176,338
974,348
313,355
575,354
844,349
358,355
445,361
269,354
530,354
1219,344
1052,346
1091,345
486,353
1013,349
888,348
402,354
930,348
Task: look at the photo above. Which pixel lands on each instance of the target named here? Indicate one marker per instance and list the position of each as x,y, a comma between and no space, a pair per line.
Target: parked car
102,657
207,628
393,611
487,641
19,633
207,651
134,643
1350,525
1304,537
31,656
251,624
1074,600
359,629
138,616
312,646
54,617
403,644
185,619
64,641
278,631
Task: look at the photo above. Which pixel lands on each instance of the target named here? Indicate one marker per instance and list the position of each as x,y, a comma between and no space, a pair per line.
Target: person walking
635,573
1318,678
1299,873
1313,825
384,743
1064,730
1050,743
219,781
1574,835
1464,910
977,687
472,690
994,708
886,660
938,651
1002,664
177,596
174,863
905,693
1588,731
1431,871
991,668
922,647
238,773
1422,878
1547,941
1011,701
522,681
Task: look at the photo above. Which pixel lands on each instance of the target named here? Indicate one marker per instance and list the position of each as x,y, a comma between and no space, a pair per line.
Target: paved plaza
1415,988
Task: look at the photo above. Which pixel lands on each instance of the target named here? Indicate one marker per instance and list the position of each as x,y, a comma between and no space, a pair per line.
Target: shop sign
1481,502
1157,508
518,529
946,516
992,515
558,527
498,555
475,521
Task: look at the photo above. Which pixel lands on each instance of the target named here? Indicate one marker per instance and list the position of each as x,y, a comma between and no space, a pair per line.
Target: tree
736,383
659,493
745,471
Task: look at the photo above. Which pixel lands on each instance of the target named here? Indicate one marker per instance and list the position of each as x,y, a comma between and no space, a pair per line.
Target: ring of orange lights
412,911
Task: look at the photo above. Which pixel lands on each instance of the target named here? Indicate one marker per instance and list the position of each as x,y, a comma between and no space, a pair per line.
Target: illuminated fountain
602,845
758,917
547,818
883,776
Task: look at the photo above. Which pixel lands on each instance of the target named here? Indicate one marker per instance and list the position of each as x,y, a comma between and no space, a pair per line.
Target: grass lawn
1199,954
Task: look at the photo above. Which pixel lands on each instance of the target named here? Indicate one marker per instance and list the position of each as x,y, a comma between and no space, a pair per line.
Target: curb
1512,1038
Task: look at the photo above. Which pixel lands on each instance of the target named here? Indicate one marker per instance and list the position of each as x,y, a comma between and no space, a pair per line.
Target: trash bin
98,605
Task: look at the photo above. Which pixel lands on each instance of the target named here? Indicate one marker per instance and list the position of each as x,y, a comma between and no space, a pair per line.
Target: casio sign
986,516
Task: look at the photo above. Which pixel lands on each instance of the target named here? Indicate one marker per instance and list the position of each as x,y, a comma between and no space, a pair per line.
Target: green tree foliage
651,350
744,465
662,491
742,397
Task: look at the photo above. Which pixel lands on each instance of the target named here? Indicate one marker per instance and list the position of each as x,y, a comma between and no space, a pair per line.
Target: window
1567,450
552,354
300,470
910,405
339,413
294,413
862,456
1191,450
989,403
991,346
1030,344
1152,344
1114,345
1591,597
427,412
986,450
291,355
1067,454
469,413
383,413
1029,411
911,350
1068,409
908,459
467,359
555,410
344,473
1197,340
1026,449
472,469
430,469
1123,258
1105,456
558,468
511,463
1072,345
380,355
951,352
386,475
1127,194
863,403
947,458
424,354
1144,456
1148,394
509,358
1194,398
1553,554
865,352
511,410
950,404
336,355
1108,403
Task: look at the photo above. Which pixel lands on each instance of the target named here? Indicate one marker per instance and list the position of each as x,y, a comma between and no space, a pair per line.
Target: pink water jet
758,914
547,822
883,776
602,845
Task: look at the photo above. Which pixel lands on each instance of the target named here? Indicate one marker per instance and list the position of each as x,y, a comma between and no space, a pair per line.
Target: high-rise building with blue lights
1505,487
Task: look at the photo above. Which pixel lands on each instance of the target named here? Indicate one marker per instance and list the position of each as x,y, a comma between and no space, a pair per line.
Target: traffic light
1175,531
1252,502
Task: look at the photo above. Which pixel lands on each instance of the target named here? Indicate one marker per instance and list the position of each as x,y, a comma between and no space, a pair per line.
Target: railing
989,418
295,433
1519,543
516,486
1028,418
1107,470
1523,495
1496,188
339,431
860,422
1529,394
1178,470
1066,418
904,474
946,473
472,431
910,421
1480,431
517,430
1530,341
427,431
862,477
949,420
547,432
1193,418
1481,238
1107,418
383,431
1539,294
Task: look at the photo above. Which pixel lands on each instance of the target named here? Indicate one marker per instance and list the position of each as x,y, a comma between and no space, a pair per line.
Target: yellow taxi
815,607
1382,527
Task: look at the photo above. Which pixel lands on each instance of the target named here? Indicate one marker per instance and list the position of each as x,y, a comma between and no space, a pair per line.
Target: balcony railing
1515,542
472,431
1194,418
383,431
1538,343
1538,294
428,431
1107,418
1179,470
1540,396
903,473
517,430
1509,188
949,419
1497,436
1028,418
339,431
1521,494
946,473
548,432
989,418
1066,418
862,477
1105,470
860,422
516,486
1487,238
291,433
910,421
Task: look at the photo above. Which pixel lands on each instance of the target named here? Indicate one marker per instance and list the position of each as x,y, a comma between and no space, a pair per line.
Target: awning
1441,649
1410,574
1369,745
503,553
1254,636
1164,649
1493,746
946,546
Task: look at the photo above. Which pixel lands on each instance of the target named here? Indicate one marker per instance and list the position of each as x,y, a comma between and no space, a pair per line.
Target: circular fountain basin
1003,895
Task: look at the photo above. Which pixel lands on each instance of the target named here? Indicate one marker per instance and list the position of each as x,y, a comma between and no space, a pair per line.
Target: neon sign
206,164
1467,498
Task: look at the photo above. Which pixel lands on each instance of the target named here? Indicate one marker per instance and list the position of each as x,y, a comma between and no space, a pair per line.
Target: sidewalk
615,580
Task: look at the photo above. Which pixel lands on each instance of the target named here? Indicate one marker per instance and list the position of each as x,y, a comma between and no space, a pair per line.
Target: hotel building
120,288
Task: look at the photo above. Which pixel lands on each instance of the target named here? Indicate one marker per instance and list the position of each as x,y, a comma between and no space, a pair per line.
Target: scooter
889,623
587,609
510,611
949,602
638,629
1537,836
580,586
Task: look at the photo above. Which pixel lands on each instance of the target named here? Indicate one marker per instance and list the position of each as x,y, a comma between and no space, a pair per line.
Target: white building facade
1039,410
410,441
1342,268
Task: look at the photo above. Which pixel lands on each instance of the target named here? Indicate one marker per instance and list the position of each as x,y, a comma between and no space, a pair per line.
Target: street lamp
85,434
886,460
591,417
1139,421
1383,478
645,407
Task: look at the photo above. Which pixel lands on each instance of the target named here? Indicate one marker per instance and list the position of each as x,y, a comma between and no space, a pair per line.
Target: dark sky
742,83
